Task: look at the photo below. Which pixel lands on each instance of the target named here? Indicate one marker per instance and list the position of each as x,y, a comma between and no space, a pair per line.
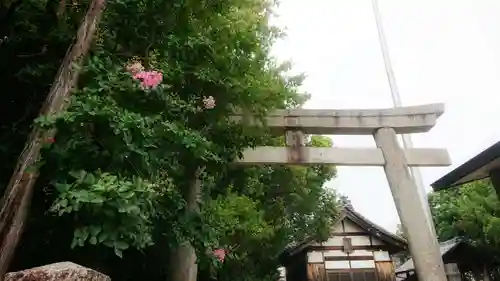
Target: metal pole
396,99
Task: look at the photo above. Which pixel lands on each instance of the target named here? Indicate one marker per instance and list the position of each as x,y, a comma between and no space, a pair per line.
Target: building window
352,275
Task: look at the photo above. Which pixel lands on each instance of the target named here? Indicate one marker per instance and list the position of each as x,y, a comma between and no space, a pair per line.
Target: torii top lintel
404,120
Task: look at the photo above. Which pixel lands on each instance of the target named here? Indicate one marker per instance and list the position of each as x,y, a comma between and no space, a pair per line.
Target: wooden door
385,271
316,272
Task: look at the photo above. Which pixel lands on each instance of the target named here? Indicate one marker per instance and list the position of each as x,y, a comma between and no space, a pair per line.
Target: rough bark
62,271
17,198
183,266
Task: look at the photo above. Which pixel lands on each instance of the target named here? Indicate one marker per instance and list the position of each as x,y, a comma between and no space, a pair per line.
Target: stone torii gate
384,125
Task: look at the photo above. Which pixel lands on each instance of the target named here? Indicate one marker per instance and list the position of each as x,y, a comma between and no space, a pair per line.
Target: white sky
442,51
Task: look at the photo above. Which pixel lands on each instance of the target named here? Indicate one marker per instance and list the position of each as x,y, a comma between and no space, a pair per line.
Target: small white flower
135,67
208,102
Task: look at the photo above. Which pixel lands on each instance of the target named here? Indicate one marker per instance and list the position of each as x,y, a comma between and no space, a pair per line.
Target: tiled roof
444,248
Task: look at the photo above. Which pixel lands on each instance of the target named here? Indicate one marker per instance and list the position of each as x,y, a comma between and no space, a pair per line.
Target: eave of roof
476,168
444,248
376,230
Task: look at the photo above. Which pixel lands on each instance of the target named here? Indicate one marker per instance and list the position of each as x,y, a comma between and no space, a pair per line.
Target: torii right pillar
423,245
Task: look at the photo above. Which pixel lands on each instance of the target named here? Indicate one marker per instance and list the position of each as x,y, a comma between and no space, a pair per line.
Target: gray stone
62,271
424,246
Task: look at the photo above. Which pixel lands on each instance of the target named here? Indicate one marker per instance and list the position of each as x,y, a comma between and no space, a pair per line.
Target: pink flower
149,79
50,140
220,254
135,67
209,102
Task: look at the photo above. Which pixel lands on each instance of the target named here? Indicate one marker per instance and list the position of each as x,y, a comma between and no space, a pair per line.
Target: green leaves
117,173
471,211
235,215
117,212
265,209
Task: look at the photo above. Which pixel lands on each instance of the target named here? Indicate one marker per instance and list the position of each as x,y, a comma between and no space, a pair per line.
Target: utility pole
396,99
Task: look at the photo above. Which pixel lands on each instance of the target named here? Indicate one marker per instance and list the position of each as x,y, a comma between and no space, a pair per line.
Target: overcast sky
442,51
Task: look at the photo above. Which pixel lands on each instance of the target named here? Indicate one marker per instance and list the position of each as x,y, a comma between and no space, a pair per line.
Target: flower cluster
149,79
220,254
135,67
208,102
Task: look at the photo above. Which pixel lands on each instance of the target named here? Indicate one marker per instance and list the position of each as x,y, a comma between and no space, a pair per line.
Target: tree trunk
183,266
17,198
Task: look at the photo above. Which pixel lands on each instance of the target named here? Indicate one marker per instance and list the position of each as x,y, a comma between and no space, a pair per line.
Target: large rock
62,271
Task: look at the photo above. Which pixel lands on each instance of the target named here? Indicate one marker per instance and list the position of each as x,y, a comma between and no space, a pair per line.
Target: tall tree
149,118
472,212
